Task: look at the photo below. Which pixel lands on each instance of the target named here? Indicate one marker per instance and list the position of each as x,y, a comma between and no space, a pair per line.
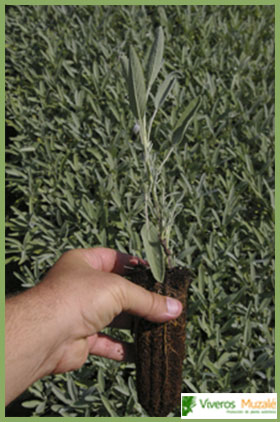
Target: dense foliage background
73,174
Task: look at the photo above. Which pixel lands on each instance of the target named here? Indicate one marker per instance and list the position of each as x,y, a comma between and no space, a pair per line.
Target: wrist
52,327
33,333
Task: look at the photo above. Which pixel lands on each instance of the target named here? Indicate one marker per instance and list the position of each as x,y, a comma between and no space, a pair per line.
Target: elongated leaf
154,251
136,85
31,404
155,57
184,120
60,395
164,89
71,387
125,66
101,380
108,406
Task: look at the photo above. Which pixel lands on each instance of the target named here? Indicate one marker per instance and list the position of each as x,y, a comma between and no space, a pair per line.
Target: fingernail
173,306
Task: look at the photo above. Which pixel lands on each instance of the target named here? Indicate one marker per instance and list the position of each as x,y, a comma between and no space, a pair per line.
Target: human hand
53,326
93,295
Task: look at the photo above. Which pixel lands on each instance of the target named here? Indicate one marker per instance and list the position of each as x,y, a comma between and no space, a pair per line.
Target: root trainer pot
160,347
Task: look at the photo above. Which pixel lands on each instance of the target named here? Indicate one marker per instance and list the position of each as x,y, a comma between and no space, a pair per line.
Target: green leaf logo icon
188,403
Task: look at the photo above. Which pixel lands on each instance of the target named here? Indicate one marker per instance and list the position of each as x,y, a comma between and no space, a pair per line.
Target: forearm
32,334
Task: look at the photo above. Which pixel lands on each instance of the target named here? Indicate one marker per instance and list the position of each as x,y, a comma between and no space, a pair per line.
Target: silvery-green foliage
154,235
155,57
153,250
136,85
183,122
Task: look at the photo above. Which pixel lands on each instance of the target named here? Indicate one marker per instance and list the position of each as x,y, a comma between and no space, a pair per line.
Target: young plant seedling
160,348
155,235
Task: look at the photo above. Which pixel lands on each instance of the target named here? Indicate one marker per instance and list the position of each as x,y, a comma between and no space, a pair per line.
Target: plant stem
150,192
167,253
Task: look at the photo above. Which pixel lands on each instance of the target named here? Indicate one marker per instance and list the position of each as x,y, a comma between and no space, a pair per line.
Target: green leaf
211,366
125,66
132,389
164,89
154,251
101,381
108,406
136,85
155,57
123,390
184,120
60,395
31,404
225,357
71,387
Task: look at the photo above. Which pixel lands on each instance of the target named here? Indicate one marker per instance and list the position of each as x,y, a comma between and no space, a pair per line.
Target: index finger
110,260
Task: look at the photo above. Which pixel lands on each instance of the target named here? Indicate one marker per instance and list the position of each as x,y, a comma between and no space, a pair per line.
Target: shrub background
73,177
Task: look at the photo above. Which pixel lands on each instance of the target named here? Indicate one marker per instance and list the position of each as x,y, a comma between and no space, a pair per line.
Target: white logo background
233,406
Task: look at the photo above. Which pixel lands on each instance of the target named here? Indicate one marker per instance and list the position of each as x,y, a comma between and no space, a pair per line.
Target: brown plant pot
160,347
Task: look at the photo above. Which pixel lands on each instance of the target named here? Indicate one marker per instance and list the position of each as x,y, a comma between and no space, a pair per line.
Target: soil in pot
160,348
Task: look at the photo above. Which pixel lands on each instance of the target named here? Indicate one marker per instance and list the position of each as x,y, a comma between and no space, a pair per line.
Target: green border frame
3,3
140,2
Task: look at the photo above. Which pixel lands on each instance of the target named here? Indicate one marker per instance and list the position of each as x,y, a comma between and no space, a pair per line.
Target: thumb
152,306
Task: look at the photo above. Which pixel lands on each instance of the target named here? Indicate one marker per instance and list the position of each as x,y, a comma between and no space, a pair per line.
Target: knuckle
156,302
69,255
119,292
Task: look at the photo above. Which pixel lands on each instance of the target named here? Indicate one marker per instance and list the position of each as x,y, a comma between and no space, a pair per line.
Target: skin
54,326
